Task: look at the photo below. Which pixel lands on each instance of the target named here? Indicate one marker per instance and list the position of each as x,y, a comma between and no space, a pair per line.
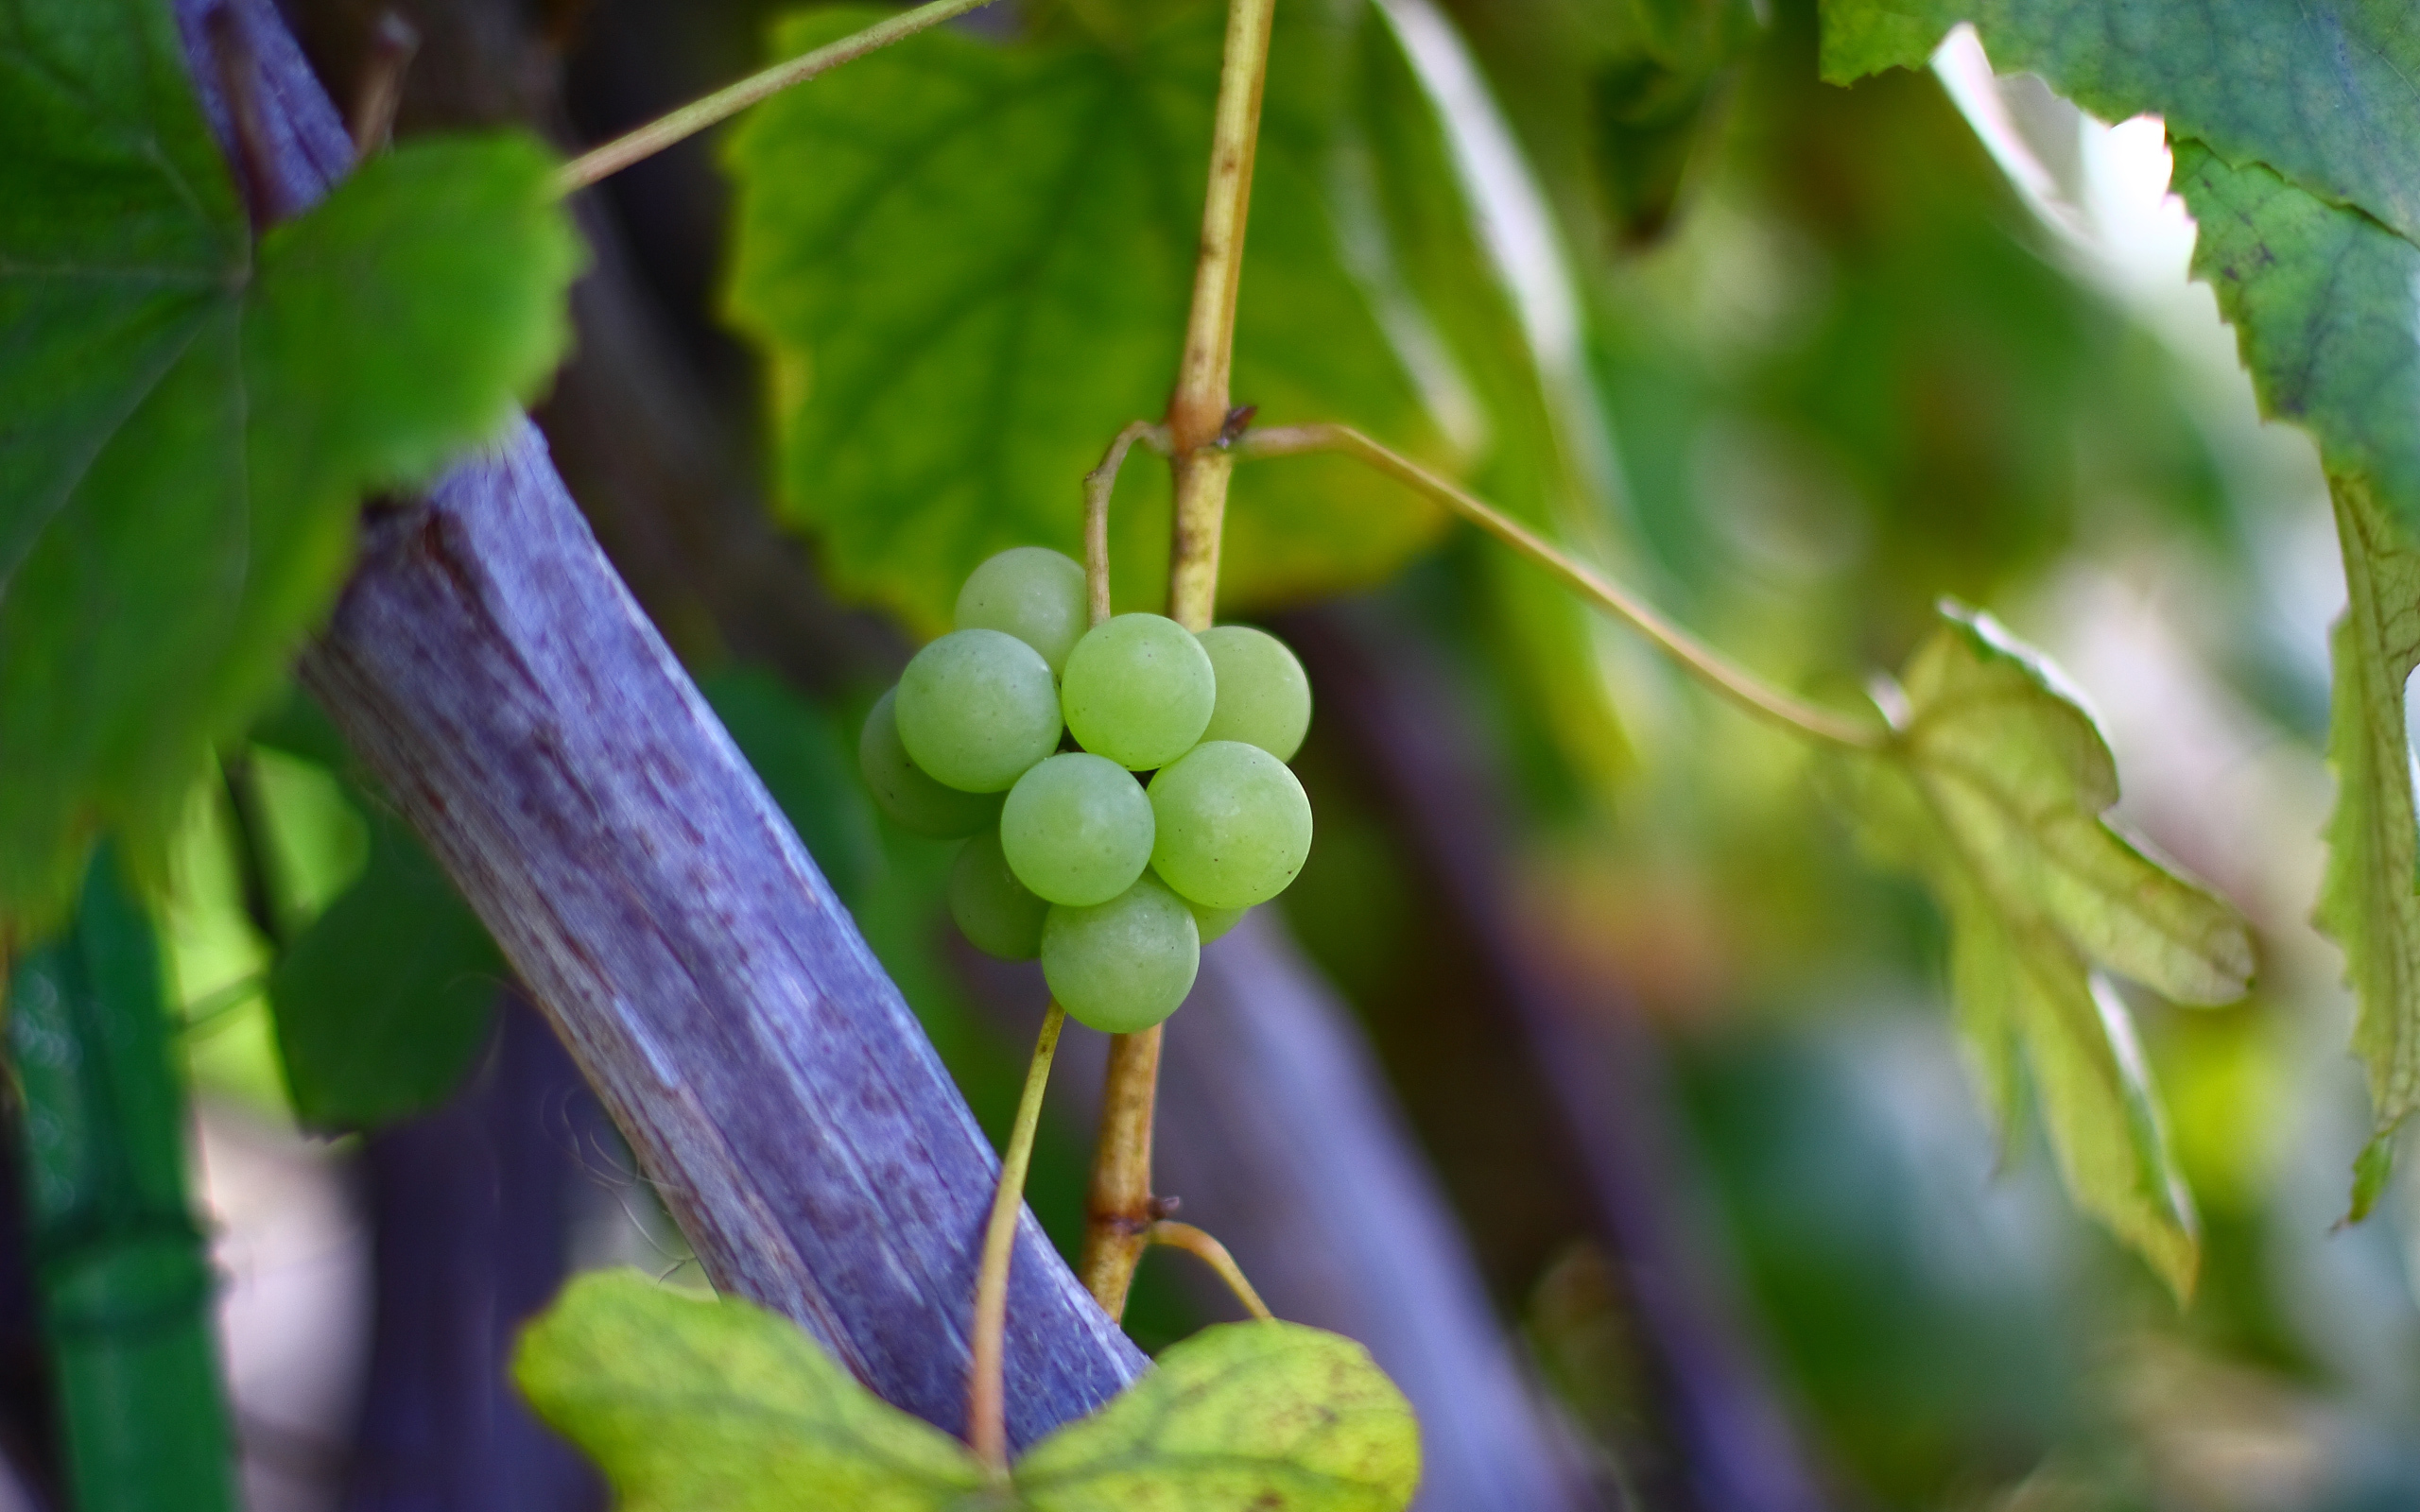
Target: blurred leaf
1655,94
2321,91
383,1002
191,420
1993,791
687,1402
2325,304
971,265
808,766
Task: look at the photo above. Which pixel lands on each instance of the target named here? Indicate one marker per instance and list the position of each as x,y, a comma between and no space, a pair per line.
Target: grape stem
724,103
1699,660
1098,484
1213,1254
986,1391
1118,1207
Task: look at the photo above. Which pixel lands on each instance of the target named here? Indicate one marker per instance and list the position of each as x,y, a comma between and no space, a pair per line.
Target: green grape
977,708
995,911
1213,922
1078,829
1123,965
1032,592
1138,690
913,799
1264,697
1234,825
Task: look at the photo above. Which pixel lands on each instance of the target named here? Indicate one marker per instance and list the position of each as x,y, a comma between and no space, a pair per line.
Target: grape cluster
1114,879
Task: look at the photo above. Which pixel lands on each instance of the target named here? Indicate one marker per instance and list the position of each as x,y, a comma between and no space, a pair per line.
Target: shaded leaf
1994,792
2326,93
2325,305
687,1402
384,1001
971,265
1655,94
192,419
1239,1417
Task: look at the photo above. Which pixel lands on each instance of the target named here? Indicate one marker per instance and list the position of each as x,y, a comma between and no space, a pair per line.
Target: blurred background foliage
1796,361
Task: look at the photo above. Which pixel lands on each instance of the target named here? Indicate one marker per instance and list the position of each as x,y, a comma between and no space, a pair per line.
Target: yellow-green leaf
690,1403
1240,1418
1993,791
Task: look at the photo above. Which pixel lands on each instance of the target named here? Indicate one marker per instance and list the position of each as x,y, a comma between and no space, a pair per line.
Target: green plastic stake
119,1261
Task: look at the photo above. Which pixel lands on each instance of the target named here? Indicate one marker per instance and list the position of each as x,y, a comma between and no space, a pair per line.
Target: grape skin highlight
997,913
1032,592
914,801
977,708
1138,690
1078,829
1235,826
1264,695
1124,965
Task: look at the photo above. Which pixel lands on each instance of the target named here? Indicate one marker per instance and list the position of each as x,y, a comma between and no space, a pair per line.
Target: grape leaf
2324,91
191,418
384,1001
970,264
2325,305
1993,790
687,1402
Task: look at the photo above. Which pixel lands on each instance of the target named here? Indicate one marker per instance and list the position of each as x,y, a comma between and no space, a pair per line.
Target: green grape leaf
970,264
191,418
2325,305
1993,790
690,1403
2326,92
1239,1418
383,1002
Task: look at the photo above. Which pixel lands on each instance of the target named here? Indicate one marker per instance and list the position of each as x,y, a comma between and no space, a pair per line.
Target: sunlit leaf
2326,93
687,1402
1239,1418
971,265
190,418
1993,791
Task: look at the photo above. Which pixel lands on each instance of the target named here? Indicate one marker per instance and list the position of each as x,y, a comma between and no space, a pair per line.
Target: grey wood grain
488,665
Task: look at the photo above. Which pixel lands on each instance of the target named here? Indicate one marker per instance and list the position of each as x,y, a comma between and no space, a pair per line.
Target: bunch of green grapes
1117,852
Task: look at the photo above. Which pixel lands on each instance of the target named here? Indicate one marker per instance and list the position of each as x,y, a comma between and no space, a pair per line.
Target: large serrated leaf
2324,91
971,265
688,1403
191,419
1994,790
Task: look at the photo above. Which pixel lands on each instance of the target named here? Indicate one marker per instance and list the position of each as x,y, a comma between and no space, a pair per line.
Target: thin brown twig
1707,665
1198,1243
392,43
725,103
1098,484
985,1389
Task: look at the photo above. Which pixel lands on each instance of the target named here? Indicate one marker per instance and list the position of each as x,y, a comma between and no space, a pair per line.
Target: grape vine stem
1702,661
986,1389
1119,1212
1210,1252
1098,484
724,103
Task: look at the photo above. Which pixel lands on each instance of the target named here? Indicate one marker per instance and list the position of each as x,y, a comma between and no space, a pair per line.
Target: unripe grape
977,708
1138,690
1078,829
1032,592
1213,922
1235,825
1126,964
916,802
995,911
1264,696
